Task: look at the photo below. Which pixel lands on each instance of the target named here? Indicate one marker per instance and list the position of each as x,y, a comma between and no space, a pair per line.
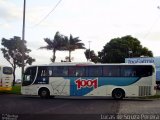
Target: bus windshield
29,76
6,78
7,70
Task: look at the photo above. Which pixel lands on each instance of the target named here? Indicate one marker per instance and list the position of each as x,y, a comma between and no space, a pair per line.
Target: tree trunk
69,56
54,56
14,76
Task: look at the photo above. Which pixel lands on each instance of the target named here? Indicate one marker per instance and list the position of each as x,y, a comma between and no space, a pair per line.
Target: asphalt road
27,108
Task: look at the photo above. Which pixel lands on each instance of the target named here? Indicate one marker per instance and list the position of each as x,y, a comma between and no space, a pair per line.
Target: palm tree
73,44
56,44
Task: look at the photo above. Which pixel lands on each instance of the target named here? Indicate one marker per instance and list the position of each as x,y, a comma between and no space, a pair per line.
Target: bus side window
42,71
127,73
80,71
64,71
109,74
46,73
133,73
95,71
111,71
72,71
54,71
50,72
106,71
149,73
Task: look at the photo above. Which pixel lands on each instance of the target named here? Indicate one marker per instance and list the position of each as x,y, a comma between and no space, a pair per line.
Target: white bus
64,79
6,78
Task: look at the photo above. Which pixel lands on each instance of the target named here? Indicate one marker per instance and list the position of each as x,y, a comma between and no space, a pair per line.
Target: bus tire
118,94
44,93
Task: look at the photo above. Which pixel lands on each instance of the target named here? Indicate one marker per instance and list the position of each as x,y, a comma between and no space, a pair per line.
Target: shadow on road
86,98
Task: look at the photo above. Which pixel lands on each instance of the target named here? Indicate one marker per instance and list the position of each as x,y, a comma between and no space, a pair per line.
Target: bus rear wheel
118,93
44,93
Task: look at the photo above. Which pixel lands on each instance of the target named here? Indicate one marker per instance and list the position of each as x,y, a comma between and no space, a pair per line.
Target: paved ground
140,106
25,108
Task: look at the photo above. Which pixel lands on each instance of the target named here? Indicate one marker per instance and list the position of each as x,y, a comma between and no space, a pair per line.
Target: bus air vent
144,90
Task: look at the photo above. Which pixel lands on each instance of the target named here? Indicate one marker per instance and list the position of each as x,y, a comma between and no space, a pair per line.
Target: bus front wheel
44,93
118,93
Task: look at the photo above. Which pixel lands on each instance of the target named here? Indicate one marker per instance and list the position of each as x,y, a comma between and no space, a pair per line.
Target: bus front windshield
7,70
29,76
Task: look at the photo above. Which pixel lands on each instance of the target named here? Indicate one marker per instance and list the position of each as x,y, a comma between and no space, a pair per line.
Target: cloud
35,14
9,11
5,25
149,36
151,45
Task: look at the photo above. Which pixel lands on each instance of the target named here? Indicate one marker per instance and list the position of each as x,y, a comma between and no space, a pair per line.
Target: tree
12,52
90,55
73,44
56,44
87,54
120,48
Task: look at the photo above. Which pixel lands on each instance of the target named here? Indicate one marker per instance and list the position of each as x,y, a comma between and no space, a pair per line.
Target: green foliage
12,52
15,90
56,44
120,48
90,55
151,97
71,44
87,54
62,43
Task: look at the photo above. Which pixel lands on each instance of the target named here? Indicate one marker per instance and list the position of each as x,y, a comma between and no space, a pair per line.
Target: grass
15,90
151,97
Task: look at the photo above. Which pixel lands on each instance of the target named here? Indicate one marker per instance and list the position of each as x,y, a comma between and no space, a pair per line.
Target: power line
53,9
154,23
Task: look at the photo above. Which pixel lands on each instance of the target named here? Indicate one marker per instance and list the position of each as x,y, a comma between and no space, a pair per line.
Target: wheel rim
118,95
44,93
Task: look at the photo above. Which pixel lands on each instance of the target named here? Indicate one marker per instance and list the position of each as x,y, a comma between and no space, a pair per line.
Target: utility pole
89,50
23,35
130,52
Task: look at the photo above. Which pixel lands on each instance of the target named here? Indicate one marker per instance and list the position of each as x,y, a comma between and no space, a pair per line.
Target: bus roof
71,63
88,64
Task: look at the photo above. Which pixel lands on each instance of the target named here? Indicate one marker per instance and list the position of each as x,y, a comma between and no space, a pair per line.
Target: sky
97,21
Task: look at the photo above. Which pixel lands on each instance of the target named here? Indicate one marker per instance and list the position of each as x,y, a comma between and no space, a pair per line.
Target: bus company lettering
83,83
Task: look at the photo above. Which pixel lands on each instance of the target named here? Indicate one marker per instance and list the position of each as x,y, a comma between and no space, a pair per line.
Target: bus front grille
144,90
